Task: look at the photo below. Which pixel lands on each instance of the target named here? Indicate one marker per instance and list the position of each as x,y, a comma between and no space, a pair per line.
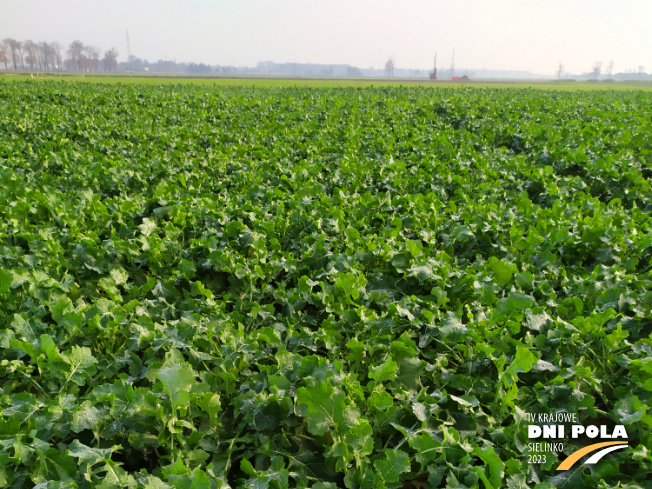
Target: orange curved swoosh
575,456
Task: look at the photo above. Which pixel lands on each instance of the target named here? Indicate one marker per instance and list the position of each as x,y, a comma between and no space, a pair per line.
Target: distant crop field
205,285
271,82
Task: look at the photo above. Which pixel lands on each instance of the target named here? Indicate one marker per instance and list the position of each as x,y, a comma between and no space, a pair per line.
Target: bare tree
76,54
597,69
56,55
4,53
45,54
110,59
19,50
87,60
560,70
389,68
32,53
16,51
93,55
11,45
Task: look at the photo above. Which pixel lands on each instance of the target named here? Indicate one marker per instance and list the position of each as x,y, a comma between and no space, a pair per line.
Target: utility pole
453,65
128,52
433,74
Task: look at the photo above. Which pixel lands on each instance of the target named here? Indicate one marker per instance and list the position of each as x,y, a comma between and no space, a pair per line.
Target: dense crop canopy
206,287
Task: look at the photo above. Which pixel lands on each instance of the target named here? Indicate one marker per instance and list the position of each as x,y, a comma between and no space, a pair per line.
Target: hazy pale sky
495,34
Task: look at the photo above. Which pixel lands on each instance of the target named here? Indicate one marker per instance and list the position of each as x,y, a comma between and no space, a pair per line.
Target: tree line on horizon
51,56
78,57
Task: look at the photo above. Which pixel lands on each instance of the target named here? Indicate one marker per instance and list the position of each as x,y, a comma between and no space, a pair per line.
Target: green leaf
395,463
85,417
177,381
22,406
119,276
6,472
53,465
525,280
52,352
451,327
60,308
493,462
153,482
352,234
462,233
422,272
349,283
360,439
89,455
6,279
195,479
523,361
28,348
325,407
413,248
387,371
517,481
275,477
420,411
630,410
210,403
515,303
427,448
502,271
115,476
147,227
537,322
82,364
